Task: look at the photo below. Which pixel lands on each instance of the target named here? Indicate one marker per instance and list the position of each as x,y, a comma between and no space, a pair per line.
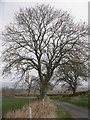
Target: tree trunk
74,91
43,92
28,92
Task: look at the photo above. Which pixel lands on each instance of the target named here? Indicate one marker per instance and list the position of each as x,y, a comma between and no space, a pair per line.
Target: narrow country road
73,110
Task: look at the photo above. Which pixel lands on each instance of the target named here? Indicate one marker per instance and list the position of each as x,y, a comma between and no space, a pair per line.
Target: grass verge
81,100
61,113
37,110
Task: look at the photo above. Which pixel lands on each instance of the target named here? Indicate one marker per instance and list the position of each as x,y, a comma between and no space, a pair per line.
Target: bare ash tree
72,74
31,81
41,38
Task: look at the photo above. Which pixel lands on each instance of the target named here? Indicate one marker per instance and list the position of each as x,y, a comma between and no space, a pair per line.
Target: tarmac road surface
73,110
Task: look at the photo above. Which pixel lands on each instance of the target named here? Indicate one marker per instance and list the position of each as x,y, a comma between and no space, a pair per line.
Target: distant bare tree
6,91
73,73
41,39
30,81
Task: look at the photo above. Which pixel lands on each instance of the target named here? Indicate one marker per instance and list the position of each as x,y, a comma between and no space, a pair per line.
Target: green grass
80,100
12,103
61,113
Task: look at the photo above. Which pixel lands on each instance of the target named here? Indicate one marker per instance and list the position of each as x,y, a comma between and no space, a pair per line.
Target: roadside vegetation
80,100
13,107
61,113
18,107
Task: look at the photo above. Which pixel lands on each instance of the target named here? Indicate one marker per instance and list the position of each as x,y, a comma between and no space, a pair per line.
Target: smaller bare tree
72,73
30,81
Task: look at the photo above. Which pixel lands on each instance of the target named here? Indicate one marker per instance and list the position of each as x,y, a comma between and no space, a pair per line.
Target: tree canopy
41,38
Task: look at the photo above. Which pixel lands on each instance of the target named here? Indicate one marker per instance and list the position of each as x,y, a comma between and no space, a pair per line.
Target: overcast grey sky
77,8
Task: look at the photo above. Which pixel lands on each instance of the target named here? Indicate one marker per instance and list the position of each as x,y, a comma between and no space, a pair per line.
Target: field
18,107
80,100
12,103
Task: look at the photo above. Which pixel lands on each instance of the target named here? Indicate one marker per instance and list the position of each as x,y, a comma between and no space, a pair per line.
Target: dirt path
75,111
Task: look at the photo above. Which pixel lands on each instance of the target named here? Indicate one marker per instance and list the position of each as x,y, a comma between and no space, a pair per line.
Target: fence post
43,102
29,111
